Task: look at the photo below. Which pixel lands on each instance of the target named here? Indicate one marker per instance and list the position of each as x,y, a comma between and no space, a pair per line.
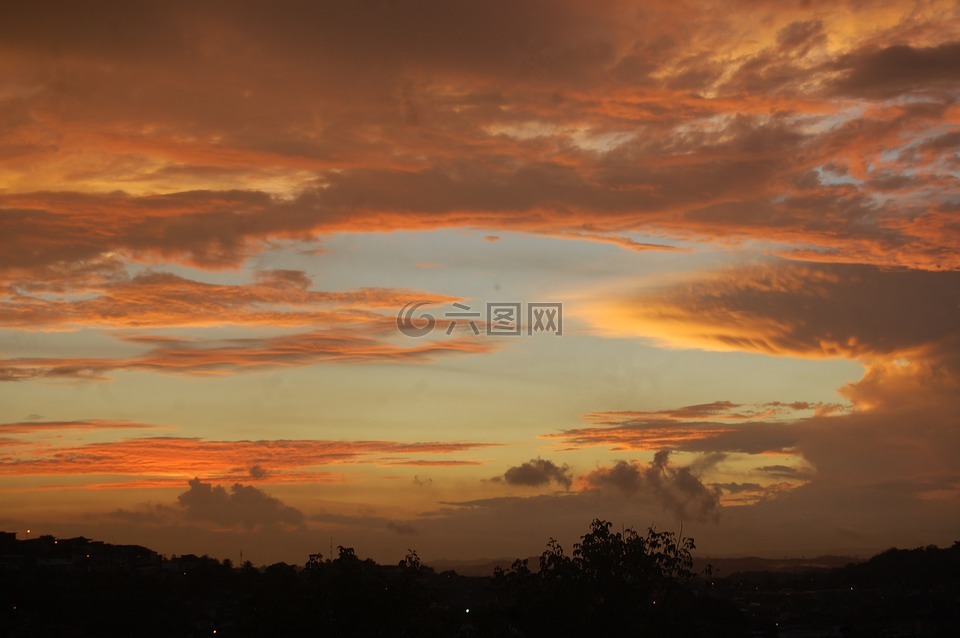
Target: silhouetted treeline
610,583
625,583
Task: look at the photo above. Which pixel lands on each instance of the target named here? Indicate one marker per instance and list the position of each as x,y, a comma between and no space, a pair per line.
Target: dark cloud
148,515
784,471
243,505
736,488
537,472
400,528
361,523
848,517
800,35
947,141
808,309
900,69
677,488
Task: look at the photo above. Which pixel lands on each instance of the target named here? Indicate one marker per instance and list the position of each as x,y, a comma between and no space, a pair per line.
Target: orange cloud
426,462
790,308
32,427
167,459
224,356
276,298
718,410
648,438
797,125
623,431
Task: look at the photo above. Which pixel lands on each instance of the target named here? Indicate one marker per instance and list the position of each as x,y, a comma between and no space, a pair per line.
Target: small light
468,610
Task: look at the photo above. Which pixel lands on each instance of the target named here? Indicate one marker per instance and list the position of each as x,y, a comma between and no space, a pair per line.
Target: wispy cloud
226,356
151,299
172,459
53,427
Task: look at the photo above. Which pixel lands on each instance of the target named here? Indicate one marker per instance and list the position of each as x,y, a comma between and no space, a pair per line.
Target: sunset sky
212,213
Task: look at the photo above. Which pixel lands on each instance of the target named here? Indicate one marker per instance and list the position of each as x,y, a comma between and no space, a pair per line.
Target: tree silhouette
612,581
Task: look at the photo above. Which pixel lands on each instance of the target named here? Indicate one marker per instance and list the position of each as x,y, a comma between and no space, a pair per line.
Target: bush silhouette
611,582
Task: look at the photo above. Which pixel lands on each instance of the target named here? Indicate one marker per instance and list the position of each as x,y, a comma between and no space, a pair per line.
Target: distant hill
727,566
477,566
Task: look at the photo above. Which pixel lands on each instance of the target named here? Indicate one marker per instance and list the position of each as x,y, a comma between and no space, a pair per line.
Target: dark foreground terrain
609,584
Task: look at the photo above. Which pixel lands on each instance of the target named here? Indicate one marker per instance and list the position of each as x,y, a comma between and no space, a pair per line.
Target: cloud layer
172,174
162,460
678,489
827,134
243,505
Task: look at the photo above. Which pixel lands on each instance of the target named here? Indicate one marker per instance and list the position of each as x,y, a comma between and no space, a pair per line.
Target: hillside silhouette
609,583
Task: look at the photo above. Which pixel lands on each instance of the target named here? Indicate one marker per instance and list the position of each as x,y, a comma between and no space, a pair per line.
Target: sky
708,255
